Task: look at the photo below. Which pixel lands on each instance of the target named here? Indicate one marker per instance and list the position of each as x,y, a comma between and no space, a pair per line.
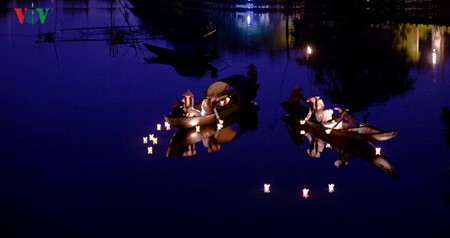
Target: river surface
77,108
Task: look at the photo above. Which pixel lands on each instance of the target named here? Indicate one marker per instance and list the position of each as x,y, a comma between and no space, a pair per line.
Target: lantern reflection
167,126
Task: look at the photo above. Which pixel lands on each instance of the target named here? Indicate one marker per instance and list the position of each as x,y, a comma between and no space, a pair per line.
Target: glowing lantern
219,126
305,193
221,103
302,132
328,131
151,136
158,127
328,145
302,122
197,129
378,151
331,188
227,100
266,188
150,150
309,50
145,140
155,141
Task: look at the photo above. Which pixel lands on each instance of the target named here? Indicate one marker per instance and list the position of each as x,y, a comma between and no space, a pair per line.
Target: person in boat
188,105
346,120
295,101
296,97
252,74
317,108
177,108
207,106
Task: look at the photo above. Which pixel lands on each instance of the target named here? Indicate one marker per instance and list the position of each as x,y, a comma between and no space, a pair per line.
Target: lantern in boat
197,129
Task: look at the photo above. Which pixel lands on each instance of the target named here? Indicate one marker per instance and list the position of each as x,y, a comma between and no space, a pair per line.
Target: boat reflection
346,148
184,142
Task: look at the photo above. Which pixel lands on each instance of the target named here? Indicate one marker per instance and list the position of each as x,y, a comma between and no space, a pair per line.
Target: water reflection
347,149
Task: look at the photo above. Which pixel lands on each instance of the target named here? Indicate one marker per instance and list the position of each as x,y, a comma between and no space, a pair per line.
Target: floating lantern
155,141
158,127
331,188
266,188
305,193
197,129
302,122
151,136
378,151
150,150
302,132
145,140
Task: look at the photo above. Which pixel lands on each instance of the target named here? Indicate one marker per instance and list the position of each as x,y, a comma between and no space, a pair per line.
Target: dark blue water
74,113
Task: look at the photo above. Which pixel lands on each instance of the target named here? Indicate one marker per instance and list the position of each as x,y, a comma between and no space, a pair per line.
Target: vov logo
31,15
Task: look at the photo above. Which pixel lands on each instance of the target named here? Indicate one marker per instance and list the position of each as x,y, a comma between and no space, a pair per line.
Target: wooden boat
232,93
186,64
232,127
176,55
341,144
363,132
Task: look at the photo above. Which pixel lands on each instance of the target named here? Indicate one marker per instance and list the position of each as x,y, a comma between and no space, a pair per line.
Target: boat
185,63
364,131
343,145
233,126
232,94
